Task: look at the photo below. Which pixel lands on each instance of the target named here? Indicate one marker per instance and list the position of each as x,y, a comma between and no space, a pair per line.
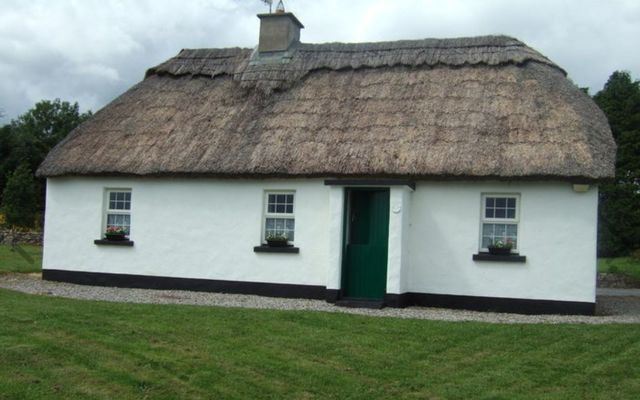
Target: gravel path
610,308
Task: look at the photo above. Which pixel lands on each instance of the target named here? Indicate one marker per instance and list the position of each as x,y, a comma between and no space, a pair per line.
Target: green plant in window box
277,239
499,247
115,233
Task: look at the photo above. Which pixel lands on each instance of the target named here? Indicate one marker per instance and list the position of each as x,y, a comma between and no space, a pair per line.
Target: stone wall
8,236
617,281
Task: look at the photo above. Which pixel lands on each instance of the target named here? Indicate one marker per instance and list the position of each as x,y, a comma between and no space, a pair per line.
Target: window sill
267,249
506,258
113,242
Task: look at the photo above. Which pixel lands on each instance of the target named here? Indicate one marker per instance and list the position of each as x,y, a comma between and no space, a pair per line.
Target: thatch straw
486,107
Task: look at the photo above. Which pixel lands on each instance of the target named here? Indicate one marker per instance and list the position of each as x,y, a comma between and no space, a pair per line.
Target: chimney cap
280,15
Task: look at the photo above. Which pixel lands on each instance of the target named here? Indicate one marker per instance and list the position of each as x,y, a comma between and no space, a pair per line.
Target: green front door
364,270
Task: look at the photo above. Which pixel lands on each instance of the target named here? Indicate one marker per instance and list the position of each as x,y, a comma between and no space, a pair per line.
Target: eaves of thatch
470,108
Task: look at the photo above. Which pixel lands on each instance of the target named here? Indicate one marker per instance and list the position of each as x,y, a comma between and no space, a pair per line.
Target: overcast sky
90,51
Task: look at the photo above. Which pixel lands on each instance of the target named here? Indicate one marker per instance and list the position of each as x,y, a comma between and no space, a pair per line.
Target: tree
619,211
42,127
620,101
6,145
19,198
29,138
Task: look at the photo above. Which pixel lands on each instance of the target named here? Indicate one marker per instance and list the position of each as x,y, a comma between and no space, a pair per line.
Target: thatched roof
484,107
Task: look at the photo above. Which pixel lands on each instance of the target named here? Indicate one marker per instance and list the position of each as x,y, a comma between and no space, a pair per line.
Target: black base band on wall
398,300
476,303
332,295
170,283
500,304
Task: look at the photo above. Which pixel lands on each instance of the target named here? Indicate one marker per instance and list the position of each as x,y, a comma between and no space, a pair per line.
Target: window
500,216
279,214
118,209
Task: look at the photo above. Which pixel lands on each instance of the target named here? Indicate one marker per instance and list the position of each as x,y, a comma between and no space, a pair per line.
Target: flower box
499,251
277,243
115,236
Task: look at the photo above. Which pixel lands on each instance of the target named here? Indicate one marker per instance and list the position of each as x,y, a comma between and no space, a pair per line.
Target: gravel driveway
611,308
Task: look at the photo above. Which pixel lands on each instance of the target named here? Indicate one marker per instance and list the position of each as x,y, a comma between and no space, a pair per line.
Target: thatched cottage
392,168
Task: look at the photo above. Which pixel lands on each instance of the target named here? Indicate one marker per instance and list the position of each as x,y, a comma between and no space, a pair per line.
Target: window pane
290,227
119,200
270,224
279,226
511,213
511,203
501,202
119,220
489,213
487,230
280,203
490,202
491,233
500,213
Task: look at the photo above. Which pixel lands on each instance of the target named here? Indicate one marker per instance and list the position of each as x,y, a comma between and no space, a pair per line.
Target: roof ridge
247,65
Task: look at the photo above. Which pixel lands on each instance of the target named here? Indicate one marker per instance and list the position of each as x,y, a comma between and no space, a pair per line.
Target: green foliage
619,211
6,145
619,219
28,139
628,266
620,101
19,198
42,127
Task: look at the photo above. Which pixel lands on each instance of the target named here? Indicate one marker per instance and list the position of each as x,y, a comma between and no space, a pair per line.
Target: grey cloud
91,51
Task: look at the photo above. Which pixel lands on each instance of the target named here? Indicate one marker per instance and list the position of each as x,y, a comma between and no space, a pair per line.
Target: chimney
278,31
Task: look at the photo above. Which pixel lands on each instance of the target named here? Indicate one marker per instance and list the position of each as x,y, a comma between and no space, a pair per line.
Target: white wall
206,228
557,234
194,228
399,233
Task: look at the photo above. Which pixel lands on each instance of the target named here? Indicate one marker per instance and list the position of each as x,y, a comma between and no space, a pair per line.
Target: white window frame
266,214
106,210
507,221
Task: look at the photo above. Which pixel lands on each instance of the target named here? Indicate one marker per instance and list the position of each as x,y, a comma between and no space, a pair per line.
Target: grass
22,258
628,266
63,348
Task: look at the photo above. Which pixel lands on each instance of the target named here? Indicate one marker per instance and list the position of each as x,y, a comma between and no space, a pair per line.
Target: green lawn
22,258
62,348
620,265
